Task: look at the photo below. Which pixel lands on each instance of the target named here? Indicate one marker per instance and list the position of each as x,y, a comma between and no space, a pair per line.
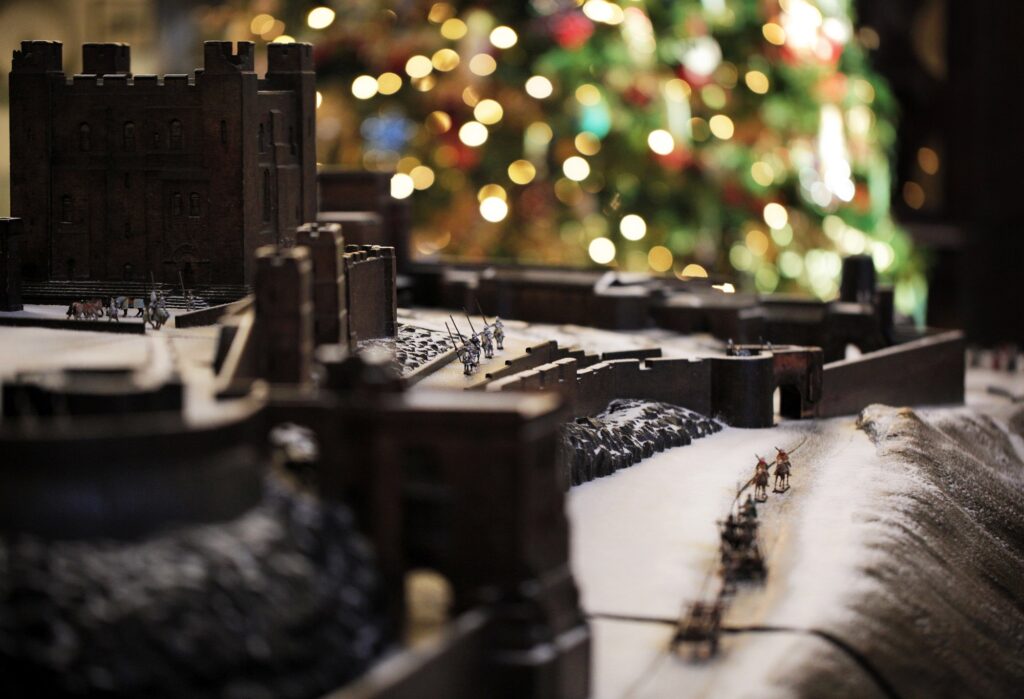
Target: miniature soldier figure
466,357
475,348
112,311
782,467
761,480
499,333
487,342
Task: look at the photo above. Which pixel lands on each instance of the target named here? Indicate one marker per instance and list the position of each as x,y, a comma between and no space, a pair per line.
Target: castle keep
120,176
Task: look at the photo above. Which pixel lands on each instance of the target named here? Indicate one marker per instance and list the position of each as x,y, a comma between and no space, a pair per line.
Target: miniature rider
499,333
466,357
782,467
475,347
761,480
487,341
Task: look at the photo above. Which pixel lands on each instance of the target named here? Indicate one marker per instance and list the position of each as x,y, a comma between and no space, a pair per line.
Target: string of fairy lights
738,134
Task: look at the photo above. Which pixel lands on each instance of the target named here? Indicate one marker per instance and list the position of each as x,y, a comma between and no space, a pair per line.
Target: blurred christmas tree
678,136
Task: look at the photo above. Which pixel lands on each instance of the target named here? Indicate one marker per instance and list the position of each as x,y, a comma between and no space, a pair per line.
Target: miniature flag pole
481,309
471,328
457,329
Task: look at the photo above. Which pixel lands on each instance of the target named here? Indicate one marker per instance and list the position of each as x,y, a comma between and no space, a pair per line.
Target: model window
127,229
176,204
176,135
156,140
65,208
84,137
262,143
128,137
266,195
193,204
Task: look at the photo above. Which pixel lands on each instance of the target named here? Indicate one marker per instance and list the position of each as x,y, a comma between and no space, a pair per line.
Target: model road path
646,543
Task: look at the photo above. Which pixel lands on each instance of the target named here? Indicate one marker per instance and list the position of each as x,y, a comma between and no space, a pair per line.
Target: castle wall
123,177
370,294
588,390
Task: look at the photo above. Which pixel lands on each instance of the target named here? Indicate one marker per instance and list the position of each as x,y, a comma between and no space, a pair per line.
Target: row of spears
741,559
483,342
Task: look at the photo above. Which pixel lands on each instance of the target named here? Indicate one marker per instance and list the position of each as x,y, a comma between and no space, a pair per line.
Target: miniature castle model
120,176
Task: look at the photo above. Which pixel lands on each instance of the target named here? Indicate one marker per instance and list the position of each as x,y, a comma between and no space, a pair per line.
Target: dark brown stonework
283,327
370,292
326,248
10,264
121,176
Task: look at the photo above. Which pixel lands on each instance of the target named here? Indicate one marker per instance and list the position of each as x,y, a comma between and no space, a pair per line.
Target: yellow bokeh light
774,33
588,95
522,172
454,29
694,270
492,190
494,209
601,250
763,173
438,122
539,87
721,126
482,64
503,37
445,60
661,142
439,12
402,185
913,195
677,90
660,258
407,163
275,29
928,159
470,97
576,168
633,227
422,177
284,39
364,87
389,83
320,17
587,143
757,241
319,99
538,132
424,84
261,24
756,81
488,111
473,134
418,66
775,215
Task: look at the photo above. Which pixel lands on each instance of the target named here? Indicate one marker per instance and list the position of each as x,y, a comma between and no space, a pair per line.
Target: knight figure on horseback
761,480
782,468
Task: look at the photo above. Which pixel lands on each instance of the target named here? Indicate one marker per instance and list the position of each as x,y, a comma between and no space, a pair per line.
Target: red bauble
571,30
677,160
634,95
695,80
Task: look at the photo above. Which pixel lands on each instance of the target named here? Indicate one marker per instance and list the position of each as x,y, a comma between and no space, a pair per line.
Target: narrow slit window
84,137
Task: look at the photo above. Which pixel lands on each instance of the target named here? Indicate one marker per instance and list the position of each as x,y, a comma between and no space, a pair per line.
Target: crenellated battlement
222,57
39,57
106,58
114,81
203,226
289,58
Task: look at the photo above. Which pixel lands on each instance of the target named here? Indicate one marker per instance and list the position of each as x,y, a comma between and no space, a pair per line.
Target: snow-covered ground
854,525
